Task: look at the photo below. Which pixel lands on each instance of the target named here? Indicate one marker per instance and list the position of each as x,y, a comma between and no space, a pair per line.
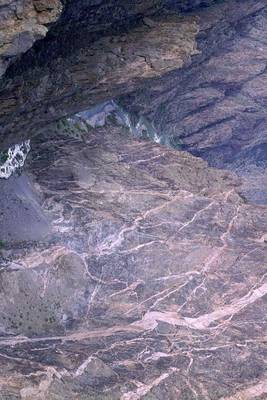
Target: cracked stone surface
149,284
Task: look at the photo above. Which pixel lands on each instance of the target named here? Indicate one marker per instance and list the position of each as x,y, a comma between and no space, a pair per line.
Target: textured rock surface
150,285
129,271
216,107
22,22
88,73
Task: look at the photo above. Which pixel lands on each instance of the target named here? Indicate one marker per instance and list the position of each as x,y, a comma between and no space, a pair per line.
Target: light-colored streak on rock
80,370
196,215
112,243
251,392
40,392
205,321
48,257
144,389
77,336
150,320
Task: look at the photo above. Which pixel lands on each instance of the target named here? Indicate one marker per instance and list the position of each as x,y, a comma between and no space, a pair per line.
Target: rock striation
216,107
150,282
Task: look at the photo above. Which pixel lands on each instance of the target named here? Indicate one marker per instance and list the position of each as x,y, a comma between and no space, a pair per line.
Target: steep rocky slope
216,107
150,281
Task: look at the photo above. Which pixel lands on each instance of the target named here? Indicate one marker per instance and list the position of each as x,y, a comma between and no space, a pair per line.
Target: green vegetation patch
3,157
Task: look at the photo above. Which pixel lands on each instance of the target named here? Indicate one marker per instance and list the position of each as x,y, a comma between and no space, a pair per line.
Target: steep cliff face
22,22
216,107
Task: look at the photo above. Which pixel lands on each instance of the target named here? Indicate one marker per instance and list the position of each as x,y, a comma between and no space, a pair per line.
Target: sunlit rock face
216,107
148,284
22,22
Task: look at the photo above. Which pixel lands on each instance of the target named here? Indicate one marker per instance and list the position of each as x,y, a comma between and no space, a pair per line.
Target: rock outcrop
150,282
216,107
94,72
22,22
